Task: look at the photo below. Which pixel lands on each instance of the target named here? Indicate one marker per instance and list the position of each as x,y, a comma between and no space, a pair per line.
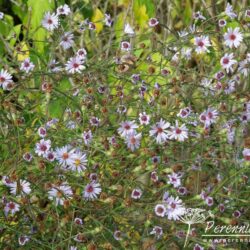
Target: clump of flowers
118,127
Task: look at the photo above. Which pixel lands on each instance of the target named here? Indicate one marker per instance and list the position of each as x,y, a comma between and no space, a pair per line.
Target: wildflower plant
121,121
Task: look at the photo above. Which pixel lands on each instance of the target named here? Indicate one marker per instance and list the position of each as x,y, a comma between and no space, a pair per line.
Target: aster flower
27,66
153,22
185,112
157,231
175,208
87,137
227,62
108,21
246,154
233,37
159,131
7,181
94,121
60,193
50,21
174,179
42,132
82,53
64,155
209,116
27,157
5,79
63,10
136,194
50,156
22,240
133,141
53,66
179,133
229,11
244,67
42,147
79,161
198,16
67,40
126,128
144,118
21,186
125,46
74,65
117,235
201,42
78,221
11,207
222,22
91,191
198,247
160,210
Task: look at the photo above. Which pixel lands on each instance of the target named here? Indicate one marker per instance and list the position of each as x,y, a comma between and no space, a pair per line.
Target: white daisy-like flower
50,156
21,186
198,247
60,193
128,30
222,22
91,191
79,162
160,210
179,133
28,157
210,201
153,22
6,181
198,16
185,112
126,128
5,79
174,179
201,42
227,62
78,221
22,240
74,65
246,154
136,194
209,116
1,15
42,132
27,66
247,13
133,141
53,66
94,121
125,46
87,137
157,231
64,155
233,37
42,147
229,11
67,40
11,207
50,21
159,131
82,53
108,21
63,10
117,234
175,208
144,118
244,67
